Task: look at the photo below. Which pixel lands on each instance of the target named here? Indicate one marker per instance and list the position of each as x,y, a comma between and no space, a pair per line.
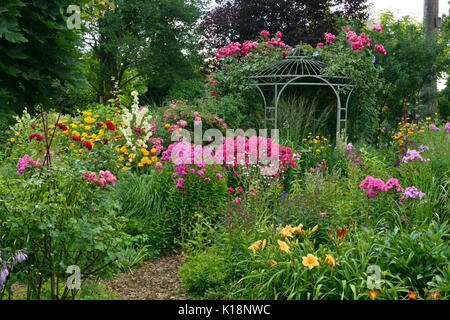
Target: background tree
409,60
300,20
151,40
37,53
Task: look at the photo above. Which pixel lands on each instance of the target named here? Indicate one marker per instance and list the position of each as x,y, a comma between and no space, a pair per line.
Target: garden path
155,279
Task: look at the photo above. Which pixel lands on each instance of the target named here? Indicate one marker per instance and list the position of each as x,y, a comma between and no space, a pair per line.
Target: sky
407,7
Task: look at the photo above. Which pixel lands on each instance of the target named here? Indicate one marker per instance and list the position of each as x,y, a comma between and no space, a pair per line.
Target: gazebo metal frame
296,70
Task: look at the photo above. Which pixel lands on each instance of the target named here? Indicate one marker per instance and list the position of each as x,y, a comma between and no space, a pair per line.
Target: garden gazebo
298,70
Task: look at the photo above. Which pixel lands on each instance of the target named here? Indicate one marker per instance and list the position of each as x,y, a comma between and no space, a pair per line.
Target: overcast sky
407,7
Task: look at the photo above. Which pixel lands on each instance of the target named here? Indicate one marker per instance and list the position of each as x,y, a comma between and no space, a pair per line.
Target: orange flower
372,294
255,246
412,295
310,261
434,295
273,263
264,244
330,260
283,246
286,232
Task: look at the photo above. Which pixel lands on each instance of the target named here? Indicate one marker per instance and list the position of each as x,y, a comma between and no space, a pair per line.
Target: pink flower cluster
374,185
434,128
351,153
24,163
376,26
236,48
330,38
380,48
105,177
357,41
233,152
412,154
447,127
157,144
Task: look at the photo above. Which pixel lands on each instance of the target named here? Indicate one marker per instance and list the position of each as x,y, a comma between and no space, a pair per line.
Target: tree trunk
430,15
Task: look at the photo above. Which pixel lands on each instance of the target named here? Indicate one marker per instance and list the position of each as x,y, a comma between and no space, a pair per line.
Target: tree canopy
301,21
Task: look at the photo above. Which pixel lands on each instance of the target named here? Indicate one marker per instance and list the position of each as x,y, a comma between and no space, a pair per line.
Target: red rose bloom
110,125
37,136
75,138
88,145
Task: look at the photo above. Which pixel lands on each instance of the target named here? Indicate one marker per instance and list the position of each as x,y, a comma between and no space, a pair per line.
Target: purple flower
423,148
323,214
373,59
3,274
316,53
413,192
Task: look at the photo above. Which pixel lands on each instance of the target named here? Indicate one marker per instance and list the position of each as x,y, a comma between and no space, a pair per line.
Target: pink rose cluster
105,177
374,185
357,41
26,162
236,48
330,38
380,48
376,26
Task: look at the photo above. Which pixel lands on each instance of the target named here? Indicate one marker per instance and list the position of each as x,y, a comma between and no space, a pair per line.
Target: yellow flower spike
283,246
330,260
310,261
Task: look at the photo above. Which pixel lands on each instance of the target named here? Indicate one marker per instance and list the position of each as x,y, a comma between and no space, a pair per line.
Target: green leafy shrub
205,273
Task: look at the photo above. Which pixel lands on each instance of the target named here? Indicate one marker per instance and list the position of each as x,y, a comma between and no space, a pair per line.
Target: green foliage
49,212
142,199
205,273
140,39
189,89
409,60
38,53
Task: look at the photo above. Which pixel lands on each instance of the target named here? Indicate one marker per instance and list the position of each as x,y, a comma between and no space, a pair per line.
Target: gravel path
155,279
